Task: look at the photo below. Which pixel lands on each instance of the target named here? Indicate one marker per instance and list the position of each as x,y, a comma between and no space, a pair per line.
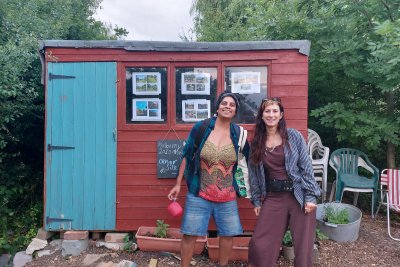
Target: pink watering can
175,209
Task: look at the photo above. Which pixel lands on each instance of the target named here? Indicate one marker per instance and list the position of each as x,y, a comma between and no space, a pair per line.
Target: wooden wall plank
295,113
137,169
137,135
290,90
289,79
137,157
143,190
137,147
295,102
289,68
147,179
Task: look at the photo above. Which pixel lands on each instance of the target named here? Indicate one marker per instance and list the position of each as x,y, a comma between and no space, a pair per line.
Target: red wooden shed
109,104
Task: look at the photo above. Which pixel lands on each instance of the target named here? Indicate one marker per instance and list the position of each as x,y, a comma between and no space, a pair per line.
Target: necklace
270,149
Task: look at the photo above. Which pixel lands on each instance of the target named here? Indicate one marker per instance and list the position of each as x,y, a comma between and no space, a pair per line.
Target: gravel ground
373,248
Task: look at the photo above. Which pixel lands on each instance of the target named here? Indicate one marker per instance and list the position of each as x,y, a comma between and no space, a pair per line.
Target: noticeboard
169,157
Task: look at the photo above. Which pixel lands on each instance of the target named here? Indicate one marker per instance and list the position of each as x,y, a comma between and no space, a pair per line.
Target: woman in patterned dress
209,168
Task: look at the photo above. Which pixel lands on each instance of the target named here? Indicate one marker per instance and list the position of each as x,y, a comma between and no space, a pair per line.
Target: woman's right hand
173,194
257,210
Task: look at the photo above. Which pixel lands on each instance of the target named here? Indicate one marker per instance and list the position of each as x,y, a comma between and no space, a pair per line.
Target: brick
76,235
115,237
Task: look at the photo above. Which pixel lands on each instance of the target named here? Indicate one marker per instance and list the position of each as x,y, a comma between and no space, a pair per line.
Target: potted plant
164,238
288,249
339,221
287,246
240,248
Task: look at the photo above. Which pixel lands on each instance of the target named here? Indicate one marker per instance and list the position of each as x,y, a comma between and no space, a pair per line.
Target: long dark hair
260,132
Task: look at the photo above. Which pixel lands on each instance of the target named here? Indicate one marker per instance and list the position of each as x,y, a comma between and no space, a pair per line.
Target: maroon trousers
278,211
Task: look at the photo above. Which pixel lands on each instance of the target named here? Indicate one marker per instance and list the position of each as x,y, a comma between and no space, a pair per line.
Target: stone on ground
4,259
126,263
112,246
153,263
42,253
74,247
36,244
92,258
106,264
56,244
21,259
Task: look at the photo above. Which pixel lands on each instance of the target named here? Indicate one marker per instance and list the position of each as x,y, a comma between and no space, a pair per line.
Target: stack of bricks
75,242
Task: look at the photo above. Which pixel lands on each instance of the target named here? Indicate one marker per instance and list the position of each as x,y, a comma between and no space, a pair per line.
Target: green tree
22,25
353,77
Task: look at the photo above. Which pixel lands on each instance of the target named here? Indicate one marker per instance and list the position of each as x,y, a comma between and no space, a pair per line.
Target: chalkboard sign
169,158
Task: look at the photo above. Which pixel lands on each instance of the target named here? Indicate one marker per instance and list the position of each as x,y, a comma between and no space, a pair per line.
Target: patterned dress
216,183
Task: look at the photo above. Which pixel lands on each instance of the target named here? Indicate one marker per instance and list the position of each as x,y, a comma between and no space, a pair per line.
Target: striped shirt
299,168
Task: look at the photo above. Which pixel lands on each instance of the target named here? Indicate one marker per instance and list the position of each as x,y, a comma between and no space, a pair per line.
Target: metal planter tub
340,232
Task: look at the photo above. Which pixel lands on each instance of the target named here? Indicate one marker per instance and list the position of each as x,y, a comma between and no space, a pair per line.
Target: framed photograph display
246,82
146,109
146,83
195,110
193,83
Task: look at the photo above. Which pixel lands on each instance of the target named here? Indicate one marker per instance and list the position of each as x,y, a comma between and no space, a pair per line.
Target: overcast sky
148,20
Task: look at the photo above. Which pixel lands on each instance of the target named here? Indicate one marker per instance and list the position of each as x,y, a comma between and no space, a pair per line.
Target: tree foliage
22,25
353,74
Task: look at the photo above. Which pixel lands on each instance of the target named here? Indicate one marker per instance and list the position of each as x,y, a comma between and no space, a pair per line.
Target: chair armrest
366,164
325,154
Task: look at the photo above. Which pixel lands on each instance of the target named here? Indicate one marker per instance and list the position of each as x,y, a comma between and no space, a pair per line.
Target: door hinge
57,76
51,147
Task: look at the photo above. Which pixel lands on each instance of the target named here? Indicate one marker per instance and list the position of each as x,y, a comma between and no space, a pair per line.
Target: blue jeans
197,216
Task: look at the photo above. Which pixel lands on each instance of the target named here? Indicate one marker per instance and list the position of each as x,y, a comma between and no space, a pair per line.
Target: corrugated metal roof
303,46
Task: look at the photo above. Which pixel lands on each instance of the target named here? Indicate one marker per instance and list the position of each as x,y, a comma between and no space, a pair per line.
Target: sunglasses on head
272,99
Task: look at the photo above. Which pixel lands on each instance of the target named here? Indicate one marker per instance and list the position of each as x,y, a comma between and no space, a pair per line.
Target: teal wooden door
81,146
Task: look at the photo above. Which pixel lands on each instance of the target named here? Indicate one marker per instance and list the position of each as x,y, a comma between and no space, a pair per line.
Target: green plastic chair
346,162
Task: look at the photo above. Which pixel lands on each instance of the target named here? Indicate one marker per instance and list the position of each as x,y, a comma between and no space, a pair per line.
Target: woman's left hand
309,207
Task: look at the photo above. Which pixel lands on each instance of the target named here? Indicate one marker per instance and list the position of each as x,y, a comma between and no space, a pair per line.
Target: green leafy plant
161,229
320,235
128,242
287,239
336,216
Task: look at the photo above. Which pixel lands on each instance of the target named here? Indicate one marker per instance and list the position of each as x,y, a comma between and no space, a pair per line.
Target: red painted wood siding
141,196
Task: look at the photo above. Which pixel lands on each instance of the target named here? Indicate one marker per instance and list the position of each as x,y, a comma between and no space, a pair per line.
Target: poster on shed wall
195,110
146,109
246,82
146,83
193,83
